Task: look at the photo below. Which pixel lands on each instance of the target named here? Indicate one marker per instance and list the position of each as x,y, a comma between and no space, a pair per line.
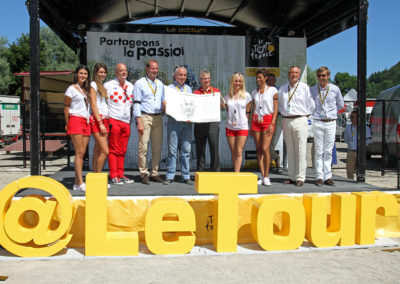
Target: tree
54,55
311,76
345,82
5,76
58,55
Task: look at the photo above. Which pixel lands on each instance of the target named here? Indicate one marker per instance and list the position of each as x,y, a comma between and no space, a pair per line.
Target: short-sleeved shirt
264,103
211,90
78,104
120,100
101,102
237,119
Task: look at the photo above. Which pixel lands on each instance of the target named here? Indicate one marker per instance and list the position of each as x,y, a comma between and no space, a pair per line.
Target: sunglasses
178,66
238,73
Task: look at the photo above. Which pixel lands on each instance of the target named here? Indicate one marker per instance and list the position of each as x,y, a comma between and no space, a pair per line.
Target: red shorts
78,125
234,133
257,126
95,127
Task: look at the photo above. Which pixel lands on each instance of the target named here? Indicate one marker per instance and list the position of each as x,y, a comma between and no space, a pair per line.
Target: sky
339,52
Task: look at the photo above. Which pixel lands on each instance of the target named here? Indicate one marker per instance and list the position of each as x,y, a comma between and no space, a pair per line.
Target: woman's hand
103,129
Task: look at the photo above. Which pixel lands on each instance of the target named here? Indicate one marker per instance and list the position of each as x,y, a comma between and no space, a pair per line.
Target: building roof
314,19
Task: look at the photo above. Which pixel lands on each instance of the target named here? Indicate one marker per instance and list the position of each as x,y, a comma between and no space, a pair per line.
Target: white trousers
324,139
295,132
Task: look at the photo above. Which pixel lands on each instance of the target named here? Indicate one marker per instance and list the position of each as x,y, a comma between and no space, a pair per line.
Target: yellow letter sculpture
97,240
48,236
368,205
170,215
291,235
342,219
227,186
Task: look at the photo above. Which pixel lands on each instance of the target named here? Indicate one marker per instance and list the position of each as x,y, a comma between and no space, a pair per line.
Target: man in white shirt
295,105
328,101
147,109
120,93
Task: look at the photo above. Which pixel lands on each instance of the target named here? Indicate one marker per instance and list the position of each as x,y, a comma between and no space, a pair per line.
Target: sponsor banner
190,107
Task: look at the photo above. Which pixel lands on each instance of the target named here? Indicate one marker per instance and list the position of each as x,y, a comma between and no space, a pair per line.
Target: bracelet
248,112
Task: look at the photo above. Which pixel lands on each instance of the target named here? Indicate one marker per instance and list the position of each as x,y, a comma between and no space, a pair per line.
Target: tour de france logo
34,226
261,49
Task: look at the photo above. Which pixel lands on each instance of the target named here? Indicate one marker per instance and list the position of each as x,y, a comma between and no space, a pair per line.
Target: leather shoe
145,179
157,179
288,181
329,182
319,182
299,183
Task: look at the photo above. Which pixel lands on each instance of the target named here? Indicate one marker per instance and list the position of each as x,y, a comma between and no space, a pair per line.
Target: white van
391,99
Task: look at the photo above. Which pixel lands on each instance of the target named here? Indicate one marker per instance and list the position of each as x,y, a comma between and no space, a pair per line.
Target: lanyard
320,96
154,91
260,101
205,92
85,100
354,131
124,88
291,95
179,90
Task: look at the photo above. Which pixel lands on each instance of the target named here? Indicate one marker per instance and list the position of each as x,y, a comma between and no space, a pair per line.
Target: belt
326,120
151,113
293,116
351,150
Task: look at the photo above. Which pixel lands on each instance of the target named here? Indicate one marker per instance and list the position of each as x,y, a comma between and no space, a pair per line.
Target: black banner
262,52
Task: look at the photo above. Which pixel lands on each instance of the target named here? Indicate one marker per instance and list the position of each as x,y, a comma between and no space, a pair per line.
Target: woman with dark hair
265,111
76,113
238,106
99,119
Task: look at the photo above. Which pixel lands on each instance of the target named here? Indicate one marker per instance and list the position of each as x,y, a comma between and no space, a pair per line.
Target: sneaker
266,181
168,180
125,179
116,181
260,181
188,182
319,182
81,187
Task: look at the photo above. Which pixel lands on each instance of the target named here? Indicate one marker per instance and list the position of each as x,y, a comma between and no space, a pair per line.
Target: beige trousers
351,163
153,130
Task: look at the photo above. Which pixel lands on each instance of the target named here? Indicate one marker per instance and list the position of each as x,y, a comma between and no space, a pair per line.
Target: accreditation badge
322,113
288,109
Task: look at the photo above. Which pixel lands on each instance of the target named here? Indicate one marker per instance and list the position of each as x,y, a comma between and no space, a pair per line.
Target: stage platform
177,188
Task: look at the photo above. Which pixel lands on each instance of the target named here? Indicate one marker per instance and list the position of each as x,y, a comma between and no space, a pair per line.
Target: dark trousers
203,132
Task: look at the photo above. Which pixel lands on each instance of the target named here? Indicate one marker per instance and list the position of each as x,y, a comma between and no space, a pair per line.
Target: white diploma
190,107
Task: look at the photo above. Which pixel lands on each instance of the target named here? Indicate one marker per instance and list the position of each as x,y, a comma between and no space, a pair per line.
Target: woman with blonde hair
99,119
76,114
265,111
238,105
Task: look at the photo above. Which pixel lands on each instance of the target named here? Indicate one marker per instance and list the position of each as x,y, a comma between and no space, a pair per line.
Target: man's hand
139,125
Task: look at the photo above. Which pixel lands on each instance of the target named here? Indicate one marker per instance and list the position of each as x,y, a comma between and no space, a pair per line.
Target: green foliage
345,82
379,81
54,55
311,76
5,75
57,54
